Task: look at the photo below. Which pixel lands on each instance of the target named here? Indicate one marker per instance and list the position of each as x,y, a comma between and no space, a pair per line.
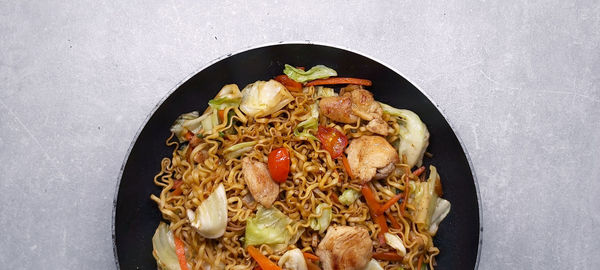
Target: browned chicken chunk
363,104
378,126
259,182
353,103
371,157
345,247
338,109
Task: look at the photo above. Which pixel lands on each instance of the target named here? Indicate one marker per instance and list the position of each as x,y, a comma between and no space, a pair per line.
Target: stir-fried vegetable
332,140
389,204
316,72
264,98
414,136
268,226
237,150
180,251
388,256
349,196
262,260
320,223
293,260
394,241
229,96
289,83
340,80
178,128
210,218
163,251
426,200
302,129
279,164
442,208
325,92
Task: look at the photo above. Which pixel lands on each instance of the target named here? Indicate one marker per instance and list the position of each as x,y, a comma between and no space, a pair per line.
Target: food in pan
303,171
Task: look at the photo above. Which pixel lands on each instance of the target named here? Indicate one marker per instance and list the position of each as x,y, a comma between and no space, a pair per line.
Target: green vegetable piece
222,103
349,196
316,72
268,226
302,129
324,214
238,150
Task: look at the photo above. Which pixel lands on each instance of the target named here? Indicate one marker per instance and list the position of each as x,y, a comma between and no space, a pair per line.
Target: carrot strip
347,167
180,251
340,80
290,84
384,228
370,199
311,266
310,256
334,197
393,220
262,260
420,262
389,203
177,187
221,114
189,135
388,256
419,171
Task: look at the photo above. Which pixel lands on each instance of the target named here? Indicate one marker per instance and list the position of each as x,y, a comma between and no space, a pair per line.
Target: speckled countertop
519,81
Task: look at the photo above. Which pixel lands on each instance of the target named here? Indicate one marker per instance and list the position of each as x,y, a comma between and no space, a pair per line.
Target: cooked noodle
316,178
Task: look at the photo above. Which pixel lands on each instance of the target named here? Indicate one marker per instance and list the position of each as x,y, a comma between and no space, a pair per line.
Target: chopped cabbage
210,218
395,242
430,210
268,226
229,96
178,128
325,92
293,260
349,196
373,265
321,222
163,246
414,136
238,150
302,129
442,208
264,98
316,72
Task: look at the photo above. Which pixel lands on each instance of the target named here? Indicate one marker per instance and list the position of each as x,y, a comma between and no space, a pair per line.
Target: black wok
136,216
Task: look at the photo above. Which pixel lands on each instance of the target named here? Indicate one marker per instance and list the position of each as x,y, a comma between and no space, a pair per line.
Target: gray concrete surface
519,80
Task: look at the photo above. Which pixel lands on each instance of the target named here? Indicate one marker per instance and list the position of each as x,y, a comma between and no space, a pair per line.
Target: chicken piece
371,157
338,109
378,126
363,103
345,247
259,182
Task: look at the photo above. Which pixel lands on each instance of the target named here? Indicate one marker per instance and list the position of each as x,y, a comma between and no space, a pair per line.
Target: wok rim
303,42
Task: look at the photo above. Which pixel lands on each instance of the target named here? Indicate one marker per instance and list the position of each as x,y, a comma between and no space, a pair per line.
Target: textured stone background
519,80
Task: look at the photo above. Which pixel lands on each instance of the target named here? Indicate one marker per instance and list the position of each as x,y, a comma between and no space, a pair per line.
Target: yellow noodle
315,176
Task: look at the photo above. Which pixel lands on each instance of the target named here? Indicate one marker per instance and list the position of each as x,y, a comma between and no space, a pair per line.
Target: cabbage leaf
316,72
414,136
264,98
268,226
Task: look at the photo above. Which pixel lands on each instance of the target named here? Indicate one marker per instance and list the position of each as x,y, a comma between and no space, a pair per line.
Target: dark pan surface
136,216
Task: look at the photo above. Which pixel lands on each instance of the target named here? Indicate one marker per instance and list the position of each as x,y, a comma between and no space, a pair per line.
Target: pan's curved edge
304,42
